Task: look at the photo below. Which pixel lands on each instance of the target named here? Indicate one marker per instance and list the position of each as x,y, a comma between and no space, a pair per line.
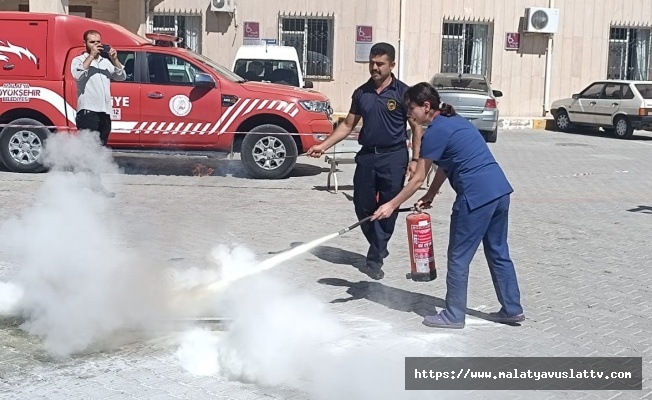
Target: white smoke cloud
11,296
284,337
77,284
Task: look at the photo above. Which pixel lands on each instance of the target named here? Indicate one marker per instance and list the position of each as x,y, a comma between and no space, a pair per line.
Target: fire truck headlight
316,106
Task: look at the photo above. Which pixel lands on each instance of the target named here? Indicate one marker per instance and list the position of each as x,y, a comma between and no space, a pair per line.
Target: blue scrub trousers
382,174
489,225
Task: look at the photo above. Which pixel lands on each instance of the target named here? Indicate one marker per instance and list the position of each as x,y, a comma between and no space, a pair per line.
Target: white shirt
94,84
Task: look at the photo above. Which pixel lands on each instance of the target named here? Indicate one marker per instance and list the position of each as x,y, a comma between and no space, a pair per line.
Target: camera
105,50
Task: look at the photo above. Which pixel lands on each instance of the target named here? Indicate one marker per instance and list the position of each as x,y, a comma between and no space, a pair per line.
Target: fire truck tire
21,146
268,156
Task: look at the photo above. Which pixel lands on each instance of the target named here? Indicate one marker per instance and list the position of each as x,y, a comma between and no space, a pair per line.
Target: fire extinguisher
422,255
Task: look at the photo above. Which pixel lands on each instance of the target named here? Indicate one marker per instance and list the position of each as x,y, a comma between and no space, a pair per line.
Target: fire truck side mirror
204,80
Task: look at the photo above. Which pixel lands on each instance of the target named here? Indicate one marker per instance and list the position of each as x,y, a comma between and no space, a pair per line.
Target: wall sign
512,41
251,33
363,42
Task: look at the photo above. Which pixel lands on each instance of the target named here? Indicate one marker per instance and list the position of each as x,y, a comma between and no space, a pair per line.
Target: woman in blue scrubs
480,211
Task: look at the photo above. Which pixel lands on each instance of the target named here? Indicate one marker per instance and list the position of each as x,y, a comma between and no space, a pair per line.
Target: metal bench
342,153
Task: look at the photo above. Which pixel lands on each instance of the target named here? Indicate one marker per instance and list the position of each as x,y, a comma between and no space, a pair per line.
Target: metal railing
186,26
629,53
312,36
466,47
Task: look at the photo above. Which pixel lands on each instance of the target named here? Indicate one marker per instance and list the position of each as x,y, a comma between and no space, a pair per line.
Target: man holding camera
93,72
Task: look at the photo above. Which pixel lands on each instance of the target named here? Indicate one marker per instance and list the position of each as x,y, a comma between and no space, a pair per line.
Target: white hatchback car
617,106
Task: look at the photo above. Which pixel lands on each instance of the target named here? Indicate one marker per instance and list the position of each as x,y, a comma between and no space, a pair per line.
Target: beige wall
579,53
106,10
579,50
222,38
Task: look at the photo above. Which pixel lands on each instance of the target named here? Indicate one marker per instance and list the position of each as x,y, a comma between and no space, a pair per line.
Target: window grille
466,48
312,36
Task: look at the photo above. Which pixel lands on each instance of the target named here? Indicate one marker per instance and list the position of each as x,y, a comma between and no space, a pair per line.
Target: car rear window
645,90
478,85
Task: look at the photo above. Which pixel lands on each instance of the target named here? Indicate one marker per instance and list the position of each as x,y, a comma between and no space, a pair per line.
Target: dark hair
381,49
90,32
425,92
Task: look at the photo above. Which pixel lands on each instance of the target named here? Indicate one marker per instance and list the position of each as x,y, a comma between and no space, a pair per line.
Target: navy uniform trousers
486,224
383,174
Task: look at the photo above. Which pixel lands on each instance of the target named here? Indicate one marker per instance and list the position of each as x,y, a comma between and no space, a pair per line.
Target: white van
270,63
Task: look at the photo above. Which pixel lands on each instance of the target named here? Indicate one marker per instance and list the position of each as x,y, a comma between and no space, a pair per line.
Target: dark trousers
381,175
467,229
95,121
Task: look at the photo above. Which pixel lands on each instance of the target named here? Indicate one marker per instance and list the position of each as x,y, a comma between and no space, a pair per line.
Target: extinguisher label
422,239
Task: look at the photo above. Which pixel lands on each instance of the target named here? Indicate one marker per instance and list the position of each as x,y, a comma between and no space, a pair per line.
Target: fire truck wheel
268,156
21,145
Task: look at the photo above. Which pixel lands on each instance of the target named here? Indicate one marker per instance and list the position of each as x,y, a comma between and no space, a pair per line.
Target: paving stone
580,247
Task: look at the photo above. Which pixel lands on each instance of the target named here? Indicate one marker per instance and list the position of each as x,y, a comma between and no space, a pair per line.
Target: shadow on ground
595,132
642,210
394,298
170,165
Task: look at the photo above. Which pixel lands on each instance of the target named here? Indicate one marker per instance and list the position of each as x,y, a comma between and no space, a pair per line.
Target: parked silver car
472,97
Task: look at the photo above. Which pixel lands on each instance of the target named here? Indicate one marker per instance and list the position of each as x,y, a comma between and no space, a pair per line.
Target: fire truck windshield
216,67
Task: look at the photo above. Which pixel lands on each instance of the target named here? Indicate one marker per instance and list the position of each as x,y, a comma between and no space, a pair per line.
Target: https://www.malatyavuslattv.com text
467,373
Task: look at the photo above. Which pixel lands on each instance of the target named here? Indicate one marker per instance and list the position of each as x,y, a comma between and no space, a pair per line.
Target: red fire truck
172,100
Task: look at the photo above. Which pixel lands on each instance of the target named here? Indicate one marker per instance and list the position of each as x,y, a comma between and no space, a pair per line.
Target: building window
312,36
187,27
466,48
629,53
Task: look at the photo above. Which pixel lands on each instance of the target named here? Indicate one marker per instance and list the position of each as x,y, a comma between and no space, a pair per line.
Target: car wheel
562,121
490,136
267,156
622,127
21,145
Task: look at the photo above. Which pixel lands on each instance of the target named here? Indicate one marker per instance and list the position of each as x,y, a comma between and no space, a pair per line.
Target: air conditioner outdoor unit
541,20
223,5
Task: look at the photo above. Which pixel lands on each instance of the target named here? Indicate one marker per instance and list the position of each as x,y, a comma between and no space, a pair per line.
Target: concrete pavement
580,229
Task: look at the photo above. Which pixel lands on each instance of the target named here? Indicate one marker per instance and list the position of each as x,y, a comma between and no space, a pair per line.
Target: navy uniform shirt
455,145
384,115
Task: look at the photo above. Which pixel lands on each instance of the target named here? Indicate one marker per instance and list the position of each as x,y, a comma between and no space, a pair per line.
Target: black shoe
503,318
373,273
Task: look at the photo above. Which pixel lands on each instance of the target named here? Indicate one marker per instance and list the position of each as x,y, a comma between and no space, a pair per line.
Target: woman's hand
384,211
425,201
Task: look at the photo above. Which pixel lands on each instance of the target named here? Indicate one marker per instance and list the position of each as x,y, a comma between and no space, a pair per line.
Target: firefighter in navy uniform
383,161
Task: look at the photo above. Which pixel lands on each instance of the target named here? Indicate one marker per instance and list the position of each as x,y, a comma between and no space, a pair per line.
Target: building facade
595,39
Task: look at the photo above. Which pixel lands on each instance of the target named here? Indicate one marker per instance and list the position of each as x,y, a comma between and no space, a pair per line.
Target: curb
526,123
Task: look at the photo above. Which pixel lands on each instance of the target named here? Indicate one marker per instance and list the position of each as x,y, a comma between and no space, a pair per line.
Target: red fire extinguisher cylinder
420,242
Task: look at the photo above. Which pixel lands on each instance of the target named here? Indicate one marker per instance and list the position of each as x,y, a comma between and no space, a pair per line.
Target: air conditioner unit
541,20
223,6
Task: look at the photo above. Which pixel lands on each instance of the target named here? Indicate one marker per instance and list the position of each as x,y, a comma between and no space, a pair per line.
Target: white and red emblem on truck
7,47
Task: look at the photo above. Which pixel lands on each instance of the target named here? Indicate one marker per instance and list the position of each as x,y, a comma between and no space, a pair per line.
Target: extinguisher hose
362,221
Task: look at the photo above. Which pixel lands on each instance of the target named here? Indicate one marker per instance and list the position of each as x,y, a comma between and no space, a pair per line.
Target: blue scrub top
454,144
384,116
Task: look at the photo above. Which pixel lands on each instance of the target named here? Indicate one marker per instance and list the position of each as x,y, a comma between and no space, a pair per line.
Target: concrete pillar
133,15
49,6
